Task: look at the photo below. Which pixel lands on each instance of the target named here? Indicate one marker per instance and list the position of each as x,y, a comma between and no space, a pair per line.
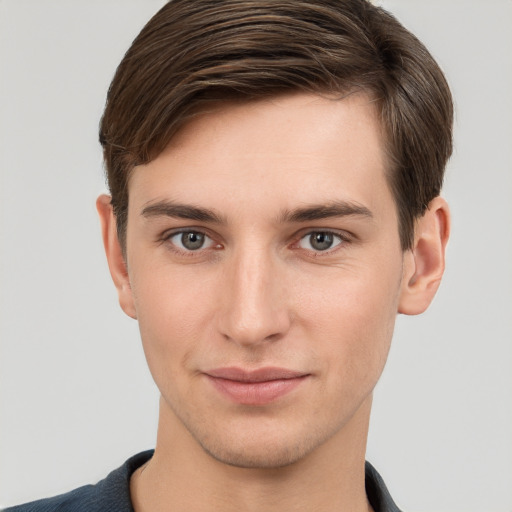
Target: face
265,271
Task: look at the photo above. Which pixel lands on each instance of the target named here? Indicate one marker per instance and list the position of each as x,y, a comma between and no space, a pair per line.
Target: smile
256,387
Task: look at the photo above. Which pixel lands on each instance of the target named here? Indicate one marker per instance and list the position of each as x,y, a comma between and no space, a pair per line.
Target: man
275,171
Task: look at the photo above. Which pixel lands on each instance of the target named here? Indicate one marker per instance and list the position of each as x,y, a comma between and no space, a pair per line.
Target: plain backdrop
76,398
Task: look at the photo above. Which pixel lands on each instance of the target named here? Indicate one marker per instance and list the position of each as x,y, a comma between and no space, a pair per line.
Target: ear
424,263
115,257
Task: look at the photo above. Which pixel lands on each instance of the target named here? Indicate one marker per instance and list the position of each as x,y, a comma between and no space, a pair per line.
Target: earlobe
424,263
114,253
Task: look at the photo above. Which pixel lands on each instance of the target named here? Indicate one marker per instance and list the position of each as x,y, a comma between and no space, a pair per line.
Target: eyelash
167,239
342,238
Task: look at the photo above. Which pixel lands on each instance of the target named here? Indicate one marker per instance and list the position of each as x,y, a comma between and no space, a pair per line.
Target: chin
260,453
268,458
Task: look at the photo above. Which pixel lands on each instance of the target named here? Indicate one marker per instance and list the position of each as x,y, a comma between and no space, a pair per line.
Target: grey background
75,397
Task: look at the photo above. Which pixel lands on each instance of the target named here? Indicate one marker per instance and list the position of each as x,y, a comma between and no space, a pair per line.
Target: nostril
256,326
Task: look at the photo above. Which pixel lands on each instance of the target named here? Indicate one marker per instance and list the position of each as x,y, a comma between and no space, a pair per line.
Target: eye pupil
192,240
321,241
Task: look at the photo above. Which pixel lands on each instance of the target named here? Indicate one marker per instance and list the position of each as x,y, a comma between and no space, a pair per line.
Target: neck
181,476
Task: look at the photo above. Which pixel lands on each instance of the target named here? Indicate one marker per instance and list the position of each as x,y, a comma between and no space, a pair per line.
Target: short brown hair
193,52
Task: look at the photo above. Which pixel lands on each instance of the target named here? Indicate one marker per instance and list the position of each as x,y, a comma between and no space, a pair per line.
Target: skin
260,293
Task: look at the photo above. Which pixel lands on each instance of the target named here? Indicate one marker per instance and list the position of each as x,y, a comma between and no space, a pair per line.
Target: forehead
288,149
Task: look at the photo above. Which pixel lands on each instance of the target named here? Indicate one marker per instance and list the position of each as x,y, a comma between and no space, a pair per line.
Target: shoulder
81,499
111,494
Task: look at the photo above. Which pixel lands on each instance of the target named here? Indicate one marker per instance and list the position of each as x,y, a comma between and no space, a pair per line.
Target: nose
254,306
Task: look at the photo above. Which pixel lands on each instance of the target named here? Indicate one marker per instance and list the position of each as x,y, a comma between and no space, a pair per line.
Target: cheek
173,311
353,318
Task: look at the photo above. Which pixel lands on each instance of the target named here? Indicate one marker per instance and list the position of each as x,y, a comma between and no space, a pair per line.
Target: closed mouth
255,387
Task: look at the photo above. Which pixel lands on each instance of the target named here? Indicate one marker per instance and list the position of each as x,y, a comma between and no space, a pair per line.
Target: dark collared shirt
113,493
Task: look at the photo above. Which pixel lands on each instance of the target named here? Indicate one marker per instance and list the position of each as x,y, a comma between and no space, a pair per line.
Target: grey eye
191,240
320,241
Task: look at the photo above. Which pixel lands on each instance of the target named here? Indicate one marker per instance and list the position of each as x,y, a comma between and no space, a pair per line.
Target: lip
255,387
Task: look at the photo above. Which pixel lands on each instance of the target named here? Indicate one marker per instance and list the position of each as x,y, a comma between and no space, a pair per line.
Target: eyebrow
325,211
173,209
181,211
